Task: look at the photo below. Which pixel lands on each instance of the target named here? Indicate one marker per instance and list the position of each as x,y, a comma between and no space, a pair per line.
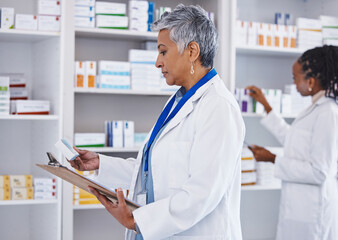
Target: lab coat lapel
186,109
310,109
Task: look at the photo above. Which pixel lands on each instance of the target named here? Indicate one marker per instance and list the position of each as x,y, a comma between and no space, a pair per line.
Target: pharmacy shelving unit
86,110
266,67
24,139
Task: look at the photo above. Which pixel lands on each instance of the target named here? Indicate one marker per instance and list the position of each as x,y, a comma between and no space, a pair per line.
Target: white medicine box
49,23
7,18
26,22
49,7
128,134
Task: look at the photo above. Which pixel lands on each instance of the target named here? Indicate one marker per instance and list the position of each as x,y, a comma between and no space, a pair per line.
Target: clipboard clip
52,160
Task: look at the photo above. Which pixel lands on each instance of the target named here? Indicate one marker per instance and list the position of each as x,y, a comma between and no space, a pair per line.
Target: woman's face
302,84
175,67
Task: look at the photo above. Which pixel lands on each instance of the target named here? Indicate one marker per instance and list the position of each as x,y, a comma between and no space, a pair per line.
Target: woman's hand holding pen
261,154
87,160
257,94
120,211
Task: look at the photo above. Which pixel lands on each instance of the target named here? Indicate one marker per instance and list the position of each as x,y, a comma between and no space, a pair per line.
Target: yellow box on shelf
86,201
5,193
79,193
22,193
21,181
4,181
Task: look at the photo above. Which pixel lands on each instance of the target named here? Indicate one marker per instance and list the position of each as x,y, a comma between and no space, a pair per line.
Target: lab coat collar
187,107
306,112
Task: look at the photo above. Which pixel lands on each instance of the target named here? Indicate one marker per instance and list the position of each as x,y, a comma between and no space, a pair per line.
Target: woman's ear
194,51
312,82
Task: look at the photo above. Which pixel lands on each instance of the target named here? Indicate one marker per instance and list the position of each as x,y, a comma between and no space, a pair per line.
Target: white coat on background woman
187,176
308,169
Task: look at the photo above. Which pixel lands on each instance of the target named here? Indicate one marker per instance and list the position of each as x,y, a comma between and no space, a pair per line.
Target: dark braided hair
322,63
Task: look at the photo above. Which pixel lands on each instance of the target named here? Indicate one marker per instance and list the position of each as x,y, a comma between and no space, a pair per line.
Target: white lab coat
196,171
309,199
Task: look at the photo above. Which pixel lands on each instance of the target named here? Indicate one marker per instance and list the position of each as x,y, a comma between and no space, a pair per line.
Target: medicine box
21,181
84,11
26,22
67,150
241,33
44,182
44,195
113,22
117,134
79,74
5,181
7,18
128,134
49,23
49,7
84,3
20,193
18,93
5,194
114,74
15,79
4,95
89,139
84,22
109,8
90,74
32,107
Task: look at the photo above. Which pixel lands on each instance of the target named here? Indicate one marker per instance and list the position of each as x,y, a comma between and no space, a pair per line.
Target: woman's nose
158,63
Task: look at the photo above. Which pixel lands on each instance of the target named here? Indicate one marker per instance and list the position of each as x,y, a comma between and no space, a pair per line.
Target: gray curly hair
188,24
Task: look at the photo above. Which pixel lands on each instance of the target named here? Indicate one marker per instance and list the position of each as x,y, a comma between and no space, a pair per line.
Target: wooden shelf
29,117
115,34
126,92
269,51
27,202
14,35
112,150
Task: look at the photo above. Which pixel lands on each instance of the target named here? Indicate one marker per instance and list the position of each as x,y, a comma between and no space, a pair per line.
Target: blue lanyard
164,119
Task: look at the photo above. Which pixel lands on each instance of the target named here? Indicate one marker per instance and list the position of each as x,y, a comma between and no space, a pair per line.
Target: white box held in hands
63,146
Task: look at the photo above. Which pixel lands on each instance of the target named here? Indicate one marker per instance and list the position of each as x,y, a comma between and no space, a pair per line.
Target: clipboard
55,168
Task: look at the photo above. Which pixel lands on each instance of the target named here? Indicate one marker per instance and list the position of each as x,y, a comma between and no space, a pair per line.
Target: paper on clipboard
55,168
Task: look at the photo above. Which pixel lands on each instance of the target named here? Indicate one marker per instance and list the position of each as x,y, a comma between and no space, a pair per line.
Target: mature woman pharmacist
309,200
187,176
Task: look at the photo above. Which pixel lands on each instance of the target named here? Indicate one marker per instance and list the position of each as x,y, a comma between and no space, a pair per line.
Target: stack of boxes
119,134
49,12
266,174
111,15
290,103
141,15
20,187
248,176
144,74
4,96
48,19
84,13
81,197
85,74
44,188
114,75
263,34
309,33
329,30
